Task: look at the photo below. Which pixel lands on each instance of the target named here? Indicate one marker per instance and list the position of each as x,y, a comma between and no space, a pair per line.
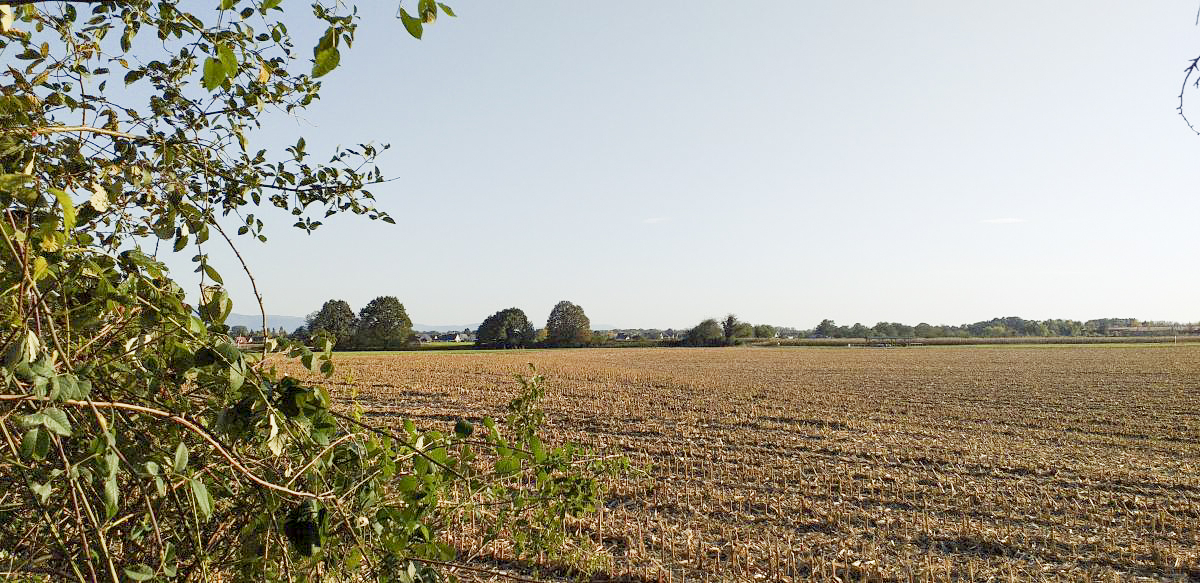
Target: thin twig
184,422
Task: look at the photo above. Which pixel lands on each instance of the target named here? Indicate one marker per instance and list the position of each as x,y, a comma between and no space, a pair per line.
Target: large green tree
706,333
383,325
336,319
137,441
505,329
567,325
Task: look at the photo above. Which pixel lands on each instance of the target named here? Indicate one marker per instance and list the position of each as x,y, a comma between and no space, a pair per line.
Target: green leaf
227,4
111,496
195,326
35,444
214,74
236,378
228,60
447,9
408,484
203,500
42,490
463,428
507,465
181,458
412,25
427,9
326,61
55,420
68,208
212,273
539,452
139,572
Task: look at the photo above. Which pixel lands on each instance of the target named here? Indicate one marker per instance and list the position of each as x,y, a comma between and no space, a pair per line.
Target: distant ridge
254,321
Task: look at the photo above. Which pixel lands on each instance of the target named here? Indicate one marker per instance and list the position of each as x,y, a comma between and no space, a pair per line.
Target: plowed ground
910,464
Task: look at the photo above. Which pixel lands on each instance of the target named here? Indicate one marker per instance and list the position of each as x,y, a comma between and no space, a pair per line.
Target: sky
662,162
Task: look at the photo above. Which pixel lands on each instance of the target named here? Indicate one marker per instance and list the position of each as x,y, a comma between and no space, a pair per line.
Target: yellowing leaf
39,268
68,208
99,199
32,346
274,443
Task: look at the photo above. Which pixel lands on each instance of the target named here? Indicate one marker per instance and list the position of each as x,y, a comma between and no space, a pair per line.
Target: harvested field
1060,463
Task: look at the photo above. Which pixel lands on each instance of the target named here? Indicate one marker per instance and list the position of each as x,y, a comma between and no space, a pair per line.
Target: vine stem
181,421
262,310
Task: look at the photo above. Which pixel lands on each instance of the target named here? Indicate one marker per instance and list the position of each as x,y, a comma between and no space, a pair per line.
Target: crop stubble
780,464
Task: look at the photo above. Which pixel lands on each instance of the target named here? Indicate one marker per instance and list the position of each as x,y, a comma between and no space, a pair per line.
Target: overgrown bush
137,441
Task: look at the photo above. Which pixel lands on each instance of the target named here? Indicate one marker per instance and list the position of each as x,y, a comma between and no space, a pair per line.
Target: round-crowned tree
505,329
706,333
567,325
336,319
383,325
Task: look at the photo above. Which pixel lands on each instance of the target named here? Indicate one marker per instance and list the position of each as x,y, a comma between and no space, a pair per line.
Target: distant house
241,340
456,337
423,338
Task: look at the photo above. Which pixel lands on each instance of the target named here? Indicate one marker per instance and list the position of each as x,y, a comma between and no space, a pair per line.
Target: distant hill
254,321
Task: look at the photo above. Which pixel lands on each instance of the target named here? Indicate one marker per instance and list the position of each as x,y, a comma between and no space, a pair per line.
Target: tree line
384,324
1006,327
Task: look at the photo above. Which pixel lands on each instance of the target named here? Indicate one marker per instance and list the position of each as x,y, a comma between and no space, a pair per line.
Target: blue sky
659,163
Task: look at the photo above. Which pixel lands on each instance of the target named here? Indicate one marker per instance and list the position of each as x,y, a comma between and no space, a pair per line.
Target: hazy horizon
659,164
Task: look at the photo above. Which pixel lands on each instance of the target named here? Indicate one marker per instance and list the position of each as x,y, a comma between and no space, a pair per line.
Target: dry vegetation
920,464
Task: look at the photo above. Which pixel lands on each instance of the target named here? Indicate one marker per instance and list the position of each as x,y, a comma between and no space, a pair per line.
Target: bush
138,441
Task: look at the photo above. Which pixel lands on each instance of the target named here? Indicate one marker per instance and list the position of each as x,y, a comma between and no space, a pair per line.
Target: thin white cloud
656,220
1003,221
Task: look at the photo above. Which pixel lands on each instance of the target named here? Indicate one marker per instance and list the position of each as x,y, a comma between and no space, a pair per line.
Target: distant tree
826,328
729,327
1034,328
336,319
743,330
300,334
858,330
706,333
567,325
239,330
505,329
764,331
383,325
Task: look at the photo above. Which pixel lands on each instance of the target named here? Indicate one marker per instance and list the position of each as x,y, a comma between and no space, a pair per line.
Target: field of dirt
1049,463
